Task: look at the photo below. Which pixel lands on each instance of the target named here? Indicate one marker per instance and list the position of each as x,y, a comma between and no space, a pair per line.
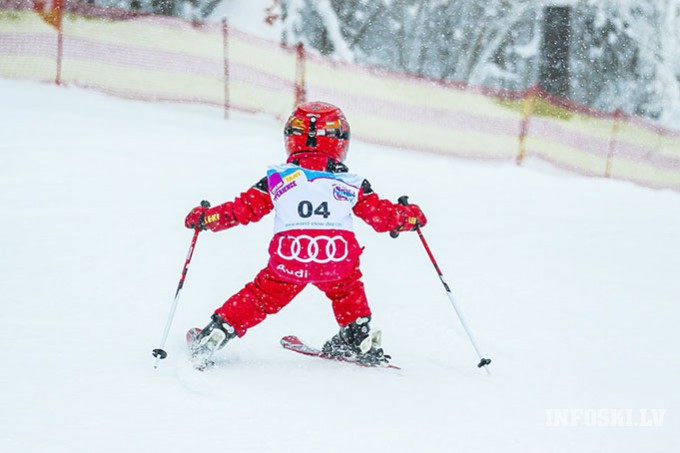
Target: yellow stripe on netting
260,99
271,60
646,173
144,33
669,146
649,140
37,68
565,155
143,81
362,82
438,139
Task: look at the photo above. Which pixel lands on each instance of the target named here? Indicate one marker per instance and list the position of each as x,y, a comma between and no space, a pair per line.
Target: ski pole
483,362
159,353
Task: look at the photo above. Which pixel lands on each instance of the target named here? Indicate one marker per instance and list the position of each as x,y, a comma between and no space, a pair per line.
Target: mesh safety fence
166,59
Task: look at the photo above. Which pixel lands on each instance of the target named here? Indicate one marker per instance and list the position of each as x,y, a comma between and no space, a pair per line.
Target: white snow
569,284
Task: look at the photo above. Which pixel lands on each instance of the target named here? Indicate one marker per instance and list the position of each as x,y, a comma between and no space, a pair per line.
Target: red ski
293,343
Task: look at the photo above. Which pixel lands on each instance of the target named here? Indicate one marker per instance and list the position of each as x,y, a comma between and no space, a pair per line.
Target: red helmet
317,127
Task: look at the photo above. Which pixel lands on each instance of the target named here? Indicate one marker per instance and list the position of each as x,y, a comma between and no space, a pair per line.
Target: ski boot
210,339
356,342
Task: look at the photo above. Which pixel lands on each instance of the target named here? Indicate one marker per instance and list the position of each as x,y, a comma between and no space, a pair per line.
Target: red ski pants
268,294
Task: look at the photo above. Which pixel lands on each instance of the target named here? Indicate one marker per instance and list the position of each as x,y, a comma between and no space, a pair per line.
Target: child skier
313,197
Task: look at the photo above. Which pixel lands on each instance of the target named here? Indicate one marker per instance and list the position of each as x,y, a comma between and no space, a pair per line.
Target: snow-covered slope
570,285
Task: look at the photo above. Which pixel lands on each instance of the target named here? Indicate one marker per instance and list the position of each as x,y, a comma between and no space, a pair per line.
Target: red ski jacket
313,197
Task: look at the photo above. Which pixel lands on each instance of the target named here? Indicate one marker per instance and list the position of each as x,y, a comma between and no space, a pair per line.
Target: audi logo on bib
317,249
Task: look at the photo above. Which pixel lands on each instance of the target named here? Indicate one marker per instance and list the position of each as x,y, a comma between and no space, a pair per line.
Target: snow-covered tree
624,54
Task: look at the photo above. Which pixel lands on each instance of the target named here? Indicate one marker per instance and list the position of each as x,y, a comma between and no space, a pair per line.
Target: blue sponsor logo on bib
342,194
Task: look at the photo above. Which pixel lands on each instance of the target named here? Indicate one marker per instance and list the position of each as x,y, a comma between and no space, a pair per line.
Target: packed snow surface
570,285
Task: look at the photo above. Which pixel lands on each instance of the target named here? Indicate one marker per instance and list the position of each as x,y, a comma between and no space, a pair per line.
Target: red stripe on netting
176,23
262,42
602,114
33,45
451,151
169,61
575,169
418,114
381,72
550,130
250,75
226,67
500,94
651,156
17,5
142,57
655,128
575,107
45,45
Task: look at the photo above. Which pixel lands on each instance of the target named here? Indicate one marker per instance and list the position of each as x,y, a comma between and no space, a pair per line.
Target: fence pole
613,142
528,107
58,6
300,90
225,56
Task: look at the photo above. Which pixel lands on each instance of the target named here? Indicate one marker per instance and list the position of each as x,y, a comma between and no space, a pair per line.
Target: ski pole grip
403,200
204,204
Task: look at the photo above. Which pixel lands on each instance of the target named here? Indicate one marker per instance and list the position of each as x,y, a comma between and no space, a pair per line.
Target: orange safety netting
158,58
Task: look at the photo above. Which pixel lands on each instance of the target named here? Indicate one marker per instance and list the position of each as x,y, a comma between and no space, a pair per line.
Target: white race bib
312,200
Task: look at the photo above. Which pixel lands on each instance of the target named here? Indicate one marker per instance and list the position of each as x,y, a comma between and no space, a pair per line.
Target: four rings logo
318,249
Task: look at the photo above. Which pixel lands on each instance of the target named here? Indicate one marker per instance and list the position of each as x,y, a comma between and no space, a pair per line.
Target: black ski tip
483,362
159,353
